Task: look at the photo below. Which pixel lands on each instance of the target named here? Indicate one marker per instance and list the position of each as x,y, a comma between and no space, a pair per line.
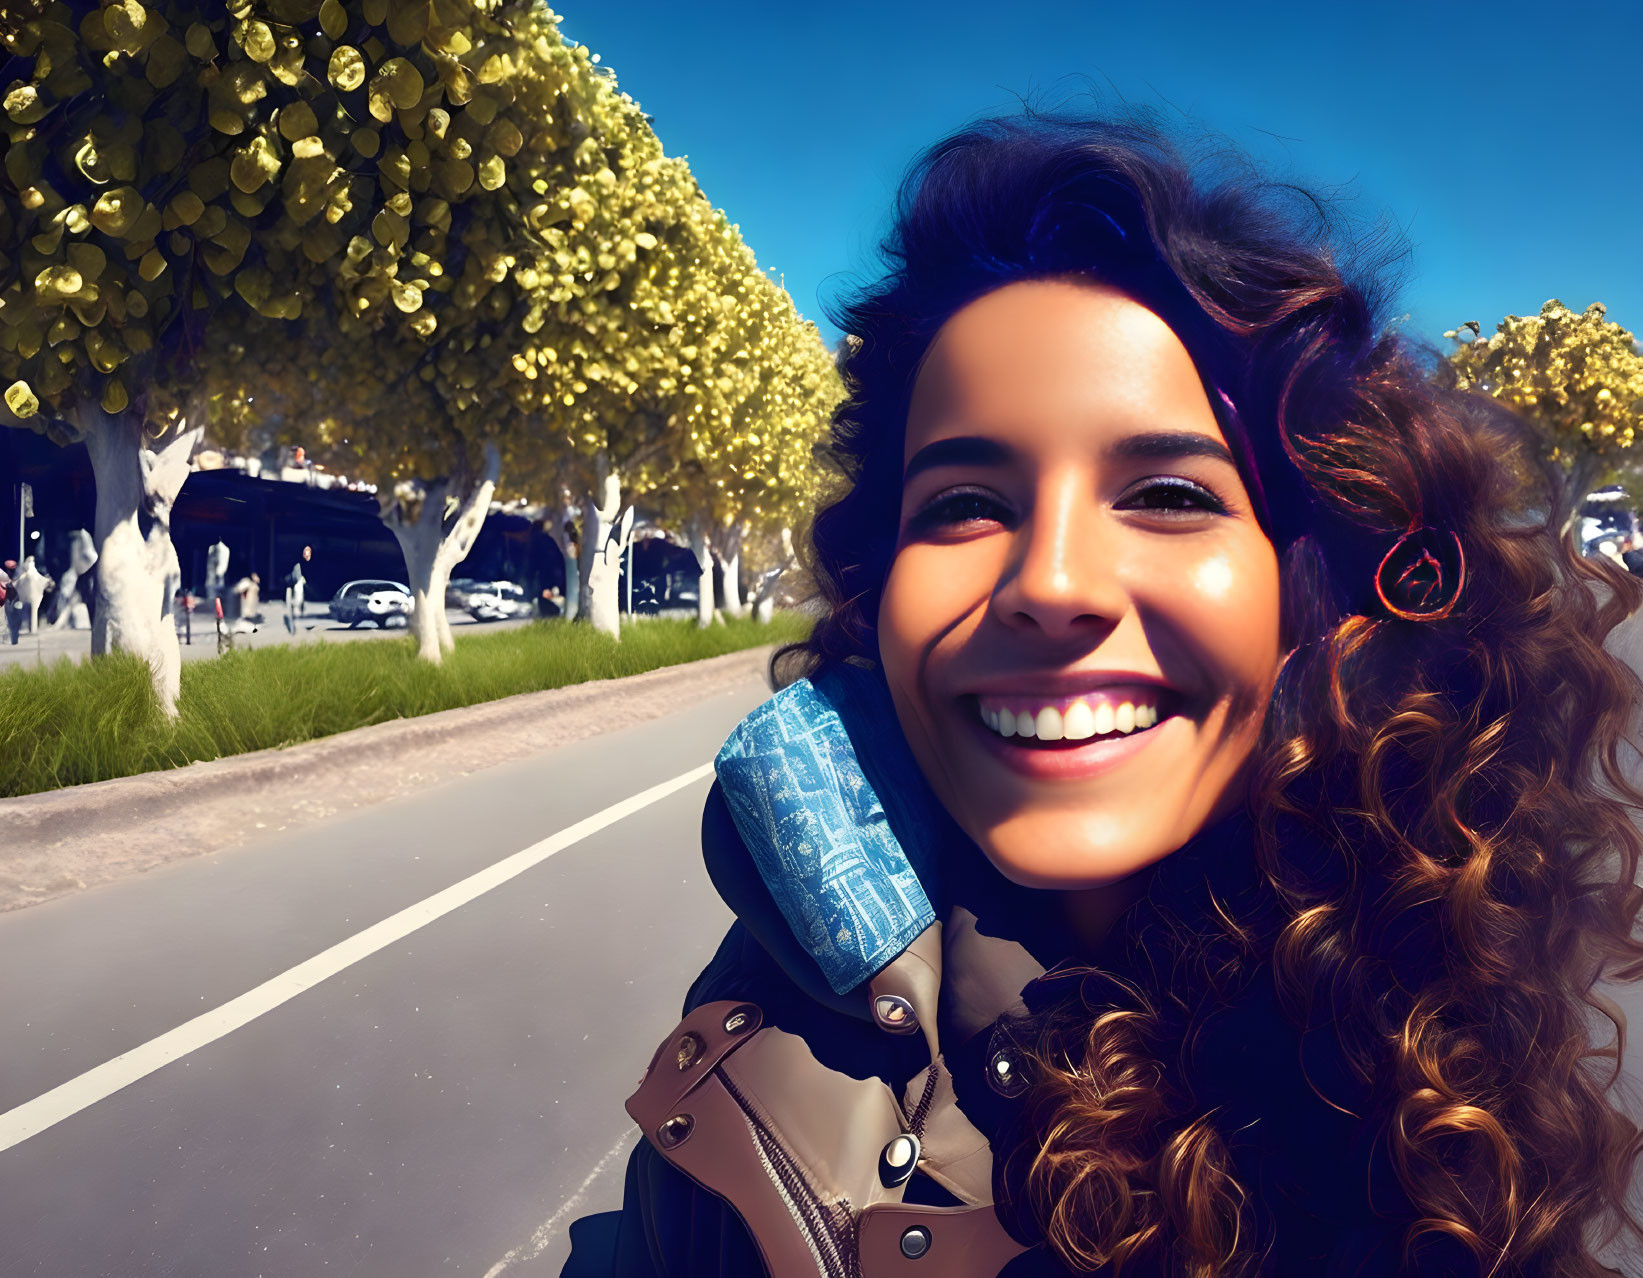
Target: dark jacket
1326,1201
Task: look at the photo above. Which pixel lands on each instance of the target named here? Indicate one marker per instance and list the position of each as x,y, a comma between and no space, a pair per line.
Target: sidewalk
317,627
62,841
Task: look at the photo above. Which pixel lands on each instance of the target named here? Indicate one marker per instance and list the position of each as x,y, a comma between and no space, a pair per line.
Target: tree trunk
1582,478
704,572
435,532
728,545
138,572
604,539
558,517
734,605
764,596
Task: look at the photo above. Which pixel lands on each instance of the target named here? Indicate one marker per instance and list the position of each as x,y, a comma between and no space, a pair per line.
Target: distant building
265,523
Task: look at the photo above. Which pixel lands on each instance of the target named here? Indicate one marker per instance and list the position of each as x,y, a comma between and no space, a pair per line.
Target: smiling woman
1080,625
1199,828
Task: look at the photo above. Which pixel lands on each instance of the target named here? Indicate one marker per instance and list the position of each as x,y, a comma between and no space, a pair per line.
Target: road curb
63,840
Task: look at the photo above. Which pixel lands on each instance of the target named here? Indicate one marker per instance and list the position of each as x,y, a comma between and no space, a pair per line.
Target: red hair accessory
1421,577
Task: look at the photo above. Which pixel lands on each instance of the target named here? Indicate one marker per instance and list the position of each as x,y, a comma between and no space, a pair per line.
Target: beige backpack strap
800,1151
905,993
905,1239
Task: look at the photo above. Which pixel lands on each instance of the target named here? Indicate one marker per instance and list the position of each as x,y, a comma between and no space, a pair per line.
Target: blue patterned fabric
840,821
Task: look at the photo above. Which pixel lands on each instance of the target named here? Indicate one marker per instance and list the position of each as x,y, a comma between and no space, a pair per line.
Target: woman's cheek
1233,604
1215,580
900,610
930,588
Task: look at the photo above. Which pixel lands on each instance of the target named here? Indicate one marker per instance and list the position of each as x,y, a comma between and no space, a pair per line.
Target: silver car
500,600
387,603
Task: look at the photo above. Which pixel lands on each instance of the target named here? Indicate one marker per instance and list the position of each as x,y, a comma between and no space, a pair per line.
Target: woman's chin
1065,852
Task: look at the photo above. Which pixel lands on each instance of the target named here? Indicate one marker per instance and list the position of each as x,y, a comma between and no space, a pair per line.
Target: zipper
921,1111
829,1228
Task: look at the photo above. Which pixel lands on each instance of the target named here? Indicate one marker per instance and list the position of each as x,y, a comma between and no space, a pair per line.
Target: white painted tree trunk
435,533
137,485
704,572
727,545
604,541
733,604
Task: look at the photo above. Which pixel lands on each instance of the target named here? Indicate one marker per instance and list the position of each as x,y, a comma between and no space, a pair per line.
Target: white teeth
1078,723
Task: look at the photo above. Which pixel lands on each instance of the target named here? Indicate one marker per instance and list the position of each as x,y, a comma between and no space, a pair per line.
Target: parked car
461,589
387,603
499,600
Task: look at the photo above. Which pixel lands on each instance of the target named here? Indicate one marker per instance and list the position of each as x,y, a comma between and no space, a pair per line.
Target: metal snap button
743,1019
674,1132
894,1013
1004,1075
915,1241
898,1160
690,1051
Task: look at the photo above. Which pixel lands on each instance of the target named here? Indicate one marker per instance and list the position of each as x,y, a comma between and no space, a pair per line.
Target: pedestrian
30,586
11,600
1182,853
75,585
1632,555
183,615
246,598
296,591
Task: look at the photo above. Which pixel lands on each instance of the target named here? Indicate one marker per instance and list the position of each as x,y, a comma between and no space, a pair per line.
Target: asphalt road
446,1104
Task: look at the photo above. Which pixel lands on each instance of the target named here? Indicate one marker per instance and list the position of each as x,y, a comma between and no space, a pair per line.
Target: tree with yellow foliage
711,364
1577,379
178,173
351,219
749,474
416,233
110,265
495,283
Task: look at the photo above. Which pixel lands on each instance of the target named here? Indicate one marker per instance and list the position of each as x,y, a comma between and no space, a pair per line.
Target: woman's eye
1173,496
952,510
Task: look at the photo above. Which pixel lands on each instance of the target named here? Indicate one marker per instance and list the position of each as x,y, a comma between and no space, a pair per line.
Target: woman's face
1080,626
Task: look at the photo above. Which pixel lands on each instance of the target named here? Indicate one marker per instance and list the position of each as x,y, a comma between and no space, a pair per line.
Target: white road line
68,1099
549,1228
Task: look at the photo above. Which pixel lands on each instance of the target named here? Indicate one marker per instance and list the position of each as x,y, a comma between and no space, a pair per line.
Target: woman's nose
1061,579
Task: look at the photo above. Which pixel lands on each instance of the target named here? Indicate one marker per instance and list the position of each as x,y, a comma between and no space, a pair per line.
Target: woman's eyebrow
977,450
960,450
1161,444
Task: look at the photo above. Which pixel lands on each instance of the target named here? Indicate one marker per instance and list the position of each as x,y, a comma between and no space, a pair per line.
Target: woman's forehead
1055,363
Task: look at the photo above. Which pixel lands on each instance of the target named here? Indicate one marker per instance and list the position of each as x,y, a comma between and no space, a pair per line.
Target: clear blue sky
1505,139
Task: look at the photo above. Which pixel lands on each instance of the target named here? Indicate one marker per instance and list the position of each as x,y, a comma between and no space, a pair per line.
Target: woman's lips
1126,723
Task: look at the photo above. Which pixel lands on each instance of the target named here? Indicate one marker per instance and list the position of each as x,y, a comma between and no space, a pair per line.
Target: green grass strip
74,722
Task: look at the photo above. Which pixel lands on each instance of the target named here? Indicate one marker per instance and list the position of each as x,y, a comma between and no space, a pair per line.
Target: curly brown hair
1442,856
